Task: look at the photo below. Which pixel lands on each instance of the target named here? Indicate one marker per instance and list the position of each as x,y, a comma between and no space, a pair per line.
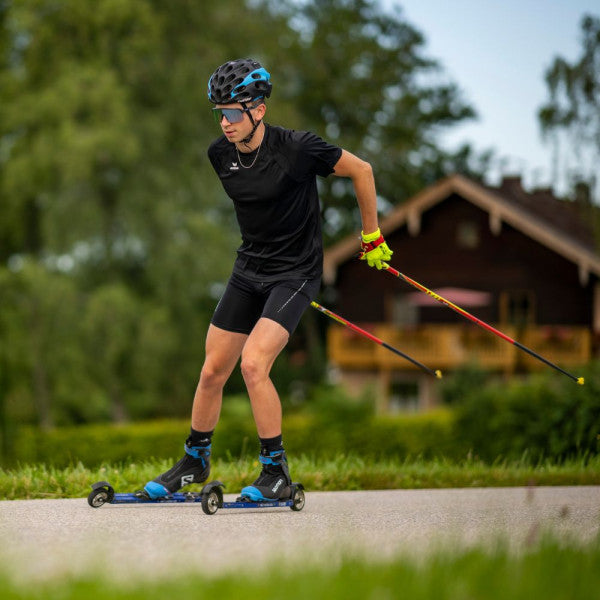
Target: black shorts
245,301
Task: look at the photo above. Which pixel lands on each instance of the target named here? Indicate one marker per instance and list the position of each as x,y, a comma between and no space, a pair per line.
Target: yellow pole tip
438,374
581,381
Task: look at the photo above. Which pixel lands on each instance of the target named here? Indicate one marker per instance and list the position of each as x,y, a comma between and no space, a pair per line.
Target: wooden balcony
450,346
350,350
562,345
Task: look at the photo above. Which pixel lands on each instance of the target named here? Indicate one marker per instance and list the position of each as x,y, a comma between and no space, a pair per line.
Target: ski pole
357,329
464,313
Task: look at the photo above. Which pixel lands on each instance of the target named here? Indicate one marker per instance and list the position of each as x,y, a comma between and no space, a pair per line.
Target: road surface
44,539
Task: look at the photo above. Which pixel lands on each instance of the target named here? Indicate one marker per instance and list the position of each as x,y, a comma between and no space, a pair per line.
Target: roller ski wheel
298,498
212,497
102,492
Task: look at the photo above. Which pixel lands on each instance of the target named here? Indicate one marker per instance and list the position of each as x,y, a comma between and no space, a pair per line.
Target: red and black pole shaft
464,313
373,338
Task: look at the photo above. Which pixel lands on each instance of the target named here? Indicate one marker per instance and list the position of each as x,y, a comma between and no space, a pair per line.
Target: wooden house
527,263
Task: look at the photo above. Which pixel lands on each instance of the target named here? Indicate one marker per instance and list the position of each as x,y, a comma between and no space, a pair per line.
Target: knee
253,370
212,375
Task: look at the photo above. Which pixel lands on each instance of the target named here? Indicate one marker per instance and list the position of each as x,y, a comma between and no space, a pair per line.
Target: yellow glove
374,249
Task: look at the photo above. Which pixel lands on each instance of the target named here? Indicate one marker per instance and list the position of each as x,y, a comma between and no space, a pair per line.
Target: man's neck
255,142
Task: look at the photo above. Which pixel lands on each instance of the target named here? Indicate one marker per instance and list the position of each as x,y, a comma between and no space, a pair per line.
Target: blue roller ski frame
211,498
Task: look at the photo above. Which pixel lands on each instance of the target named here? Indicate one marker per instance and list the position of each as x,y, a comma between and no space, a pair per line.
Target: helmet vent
239,80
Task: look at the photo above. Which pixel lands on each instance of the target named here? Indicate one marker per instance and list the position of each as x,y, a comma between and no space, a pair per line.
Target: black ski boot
194,467
274,481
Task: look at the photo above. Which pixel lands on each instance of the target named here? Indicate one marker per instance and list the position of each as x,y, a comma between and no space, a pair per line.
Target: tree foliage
370,89
571,116
116,236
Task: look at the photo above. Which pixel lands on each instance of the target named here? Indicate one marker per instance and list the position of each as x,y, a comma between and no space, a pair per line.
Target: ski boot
274,481
194,467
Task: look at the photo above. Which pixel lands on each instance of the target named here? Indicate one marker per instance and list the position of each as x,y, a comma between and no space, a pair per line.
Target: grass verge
341,473
551,571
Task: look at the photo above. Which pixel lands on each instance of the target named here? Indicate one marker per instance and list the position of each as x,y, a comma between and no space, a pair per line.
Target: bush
356,431
460,383
542,417
546,416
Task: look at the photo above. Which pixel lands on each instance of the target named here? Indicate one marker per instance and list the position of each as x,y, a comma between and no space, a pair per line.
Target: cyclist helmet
241,80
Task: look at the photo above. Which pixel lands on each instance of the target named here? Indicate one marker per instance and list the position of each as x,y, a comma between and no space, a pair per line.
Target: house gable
500,210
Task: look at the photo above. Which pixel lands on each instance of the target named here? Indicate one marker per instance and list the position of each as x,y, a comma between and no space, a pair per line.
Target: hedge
545,416
542,417
426,435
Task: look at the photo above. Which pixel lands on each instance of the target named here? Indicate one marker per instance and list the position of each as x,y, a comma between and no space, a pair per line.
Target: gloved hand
374,249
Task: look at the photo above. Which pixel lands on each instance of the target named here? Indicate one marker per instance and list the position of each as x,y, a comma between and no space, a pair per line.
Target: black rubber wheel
298,499
99,497
211,502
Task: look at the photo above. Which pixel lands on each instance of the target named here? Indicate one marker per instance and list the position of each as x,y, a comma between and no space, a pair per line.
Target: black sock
268,445
199,438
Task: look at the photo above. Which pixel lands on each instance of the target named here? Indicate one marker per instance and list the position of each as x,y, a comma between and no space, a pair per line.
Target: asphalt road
43,539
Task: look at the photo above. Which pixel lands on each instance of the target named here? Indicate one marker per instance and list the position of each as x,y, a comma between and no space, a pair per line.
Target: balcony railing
450,346
560,344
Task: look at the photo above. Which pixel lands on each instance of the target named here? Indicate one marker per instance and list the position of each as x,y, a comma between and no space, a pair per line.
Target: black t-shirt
276,201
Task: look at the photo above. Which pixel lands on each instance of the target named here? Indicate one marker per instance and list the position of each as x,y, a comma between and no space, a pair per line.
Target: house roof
554,223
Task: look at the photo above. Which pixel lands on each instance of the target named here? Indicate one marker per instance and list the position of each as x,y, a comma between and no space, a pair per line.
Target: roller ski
272,489
210,497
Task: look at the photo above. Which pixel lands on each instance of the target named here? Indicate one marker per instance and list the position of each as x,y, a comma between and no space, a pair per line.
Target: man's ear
261,109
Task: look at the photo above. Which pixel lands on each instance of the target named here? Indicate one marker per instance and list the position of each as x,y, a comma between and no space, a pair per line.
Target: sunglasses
233,115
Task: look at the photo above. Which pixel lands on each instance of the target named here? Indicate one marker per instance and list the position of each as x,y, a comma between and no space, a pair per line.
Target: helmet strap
246,141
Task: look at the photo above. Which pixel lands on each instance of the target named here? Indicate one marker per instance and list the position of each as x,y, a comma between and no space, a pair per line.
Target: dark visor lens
233,115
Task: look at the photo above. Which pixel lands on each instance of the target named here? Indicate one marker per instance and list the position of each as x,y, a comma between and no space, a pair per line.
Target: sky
497,52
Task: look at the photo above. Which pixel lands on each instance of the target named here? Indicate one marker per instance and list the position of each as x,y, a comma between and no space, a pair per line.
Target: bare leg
223,349
262,347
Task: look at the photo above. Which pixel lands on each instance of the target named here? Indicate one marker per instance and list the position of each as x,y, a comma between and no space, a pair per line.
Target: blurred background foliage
536,421
115,235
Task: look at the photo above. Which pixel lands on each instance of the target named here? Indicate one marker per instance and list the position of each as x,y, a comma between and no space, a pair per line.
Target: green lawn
341,473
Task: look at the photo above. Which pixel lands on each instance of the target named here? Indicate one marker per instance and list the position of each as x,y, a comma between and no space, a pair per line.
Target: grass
342,473
551,570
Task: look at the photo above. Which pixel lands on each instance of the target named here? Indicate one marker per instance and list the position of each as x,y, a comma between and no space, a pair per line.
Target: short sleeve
312,155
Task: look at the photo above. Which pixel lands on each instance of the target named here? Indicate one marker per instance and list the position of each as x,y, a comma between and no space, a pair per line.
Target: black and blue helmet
241,80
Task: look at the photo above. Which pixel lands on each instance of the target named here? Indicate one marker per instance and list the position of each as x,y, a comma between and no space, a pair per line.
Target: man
270,175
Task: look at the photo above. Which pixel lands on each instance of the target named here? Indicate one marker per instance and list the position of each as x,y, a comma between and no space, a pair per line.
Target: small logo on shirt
234,167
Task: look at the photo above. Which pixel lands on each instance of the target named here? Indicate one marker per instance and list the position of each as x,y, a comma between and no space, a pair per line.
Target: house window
404,396
404,312
467,235
517,307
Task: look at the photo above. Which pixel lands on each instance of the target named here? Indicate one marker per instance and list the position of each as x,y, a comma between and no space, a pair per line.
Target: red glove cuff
368,246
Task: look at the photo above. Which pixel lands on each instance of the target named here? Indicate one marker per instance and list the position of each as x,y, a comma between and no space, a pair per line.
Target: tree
39,324
108,198
126,342
571,116
360,78
104,181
